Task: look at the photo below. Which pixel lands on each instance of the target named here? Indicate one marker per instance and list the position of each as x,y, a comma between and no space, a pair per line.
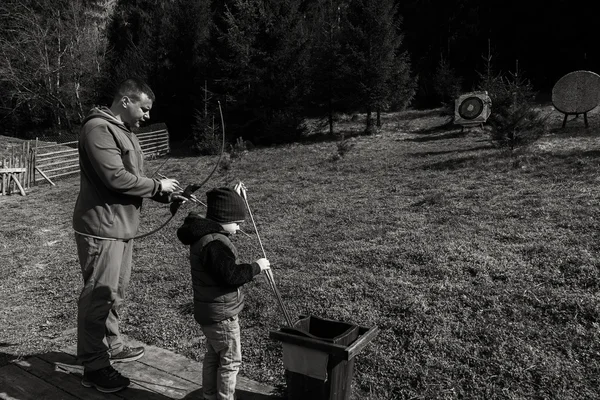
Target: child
217,278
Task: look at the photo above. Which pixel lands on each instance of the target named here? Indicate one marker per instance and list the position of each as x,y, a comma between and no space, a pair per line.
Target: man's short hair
133,88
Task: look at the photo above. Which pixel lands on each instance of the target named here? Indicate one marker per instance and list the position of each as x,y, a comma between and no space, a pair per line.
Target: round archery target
470,108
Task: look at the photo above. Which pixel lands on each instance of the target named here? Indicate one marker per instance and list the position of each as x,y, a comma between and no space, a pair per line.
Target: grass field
479,267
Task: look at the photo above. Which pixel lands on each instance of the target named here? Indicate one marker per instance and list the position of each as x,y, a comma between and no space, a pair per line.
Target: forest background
272,63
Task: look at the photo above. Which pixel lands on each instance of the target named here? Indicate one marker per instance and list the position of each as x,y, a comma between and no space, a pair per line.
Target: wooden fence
53,161
35,161
16,170
155,143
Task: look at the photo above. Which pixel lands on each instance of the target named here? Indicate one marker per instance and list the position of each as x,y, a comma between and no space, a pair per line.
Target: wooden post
18,185
11,185
22,158
3,178
35,160
30,163
44,175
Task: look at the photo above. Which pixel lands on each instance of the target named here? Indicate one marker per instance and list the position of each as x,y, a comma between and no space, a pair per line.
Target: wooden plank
148,143
44,175
49,171
3,178
161,131
157,380
182,367
150,149
11,170
65,378
54,144
15,383
191,370
45,165
162,136
67,364
161,147
14,178
54,154
53,176
367,335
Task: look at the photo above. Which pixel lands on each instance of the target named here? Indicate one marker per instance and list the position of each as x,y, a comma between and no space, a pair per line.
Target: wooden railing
55,160
16,170
61,159
155,143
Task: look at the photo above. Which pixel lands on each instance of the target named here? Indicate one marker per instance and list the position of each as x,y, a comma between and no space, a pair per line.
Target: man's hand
264,264
168,185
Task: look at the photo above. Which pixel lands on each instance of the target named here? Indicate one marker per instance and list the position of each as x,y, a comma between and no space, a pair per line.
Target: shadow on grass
547,160
452,134
454,164
576,154
414,114
456,151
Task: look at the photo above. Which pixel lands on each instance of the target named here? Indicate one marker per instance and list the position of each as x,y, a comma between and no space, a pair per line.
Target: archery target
472,108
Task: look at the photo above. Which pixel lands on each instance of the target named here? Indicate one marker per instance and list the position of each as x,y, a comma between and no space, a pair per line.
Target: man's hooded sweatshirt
216,276
112,179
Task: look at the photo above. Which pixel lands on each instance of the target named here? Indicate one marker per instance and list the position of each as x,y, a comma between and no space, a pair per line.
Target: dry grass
480,268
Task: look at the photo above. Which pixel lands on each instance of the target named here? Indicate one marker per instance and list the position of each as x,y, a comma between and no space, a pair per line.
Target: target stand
576,93
472,109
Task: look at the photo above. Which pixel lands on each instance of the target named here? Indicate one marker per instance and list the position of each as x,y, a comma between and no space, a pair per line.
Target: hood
195,226
105,114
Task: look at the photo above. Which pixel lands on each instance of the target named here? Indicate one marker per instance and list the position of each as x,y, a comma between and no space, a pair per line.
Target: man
106,219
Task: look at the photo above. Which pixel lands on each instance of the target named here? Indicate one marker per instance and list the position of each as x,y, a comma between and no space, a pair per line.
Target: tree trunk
330,117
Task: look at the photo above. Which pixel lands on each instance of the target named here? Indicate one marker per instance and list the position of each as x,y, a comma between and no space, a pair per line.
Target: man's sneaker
105,380
127,354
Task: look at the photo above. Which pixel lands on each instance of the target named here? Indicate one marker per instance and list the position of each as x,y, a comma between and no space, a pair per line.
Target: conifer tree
327,59
374,54
264,62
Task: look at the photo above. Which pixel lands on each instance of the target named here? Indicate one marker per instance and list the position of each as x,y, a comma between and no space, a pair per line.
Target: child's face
231,227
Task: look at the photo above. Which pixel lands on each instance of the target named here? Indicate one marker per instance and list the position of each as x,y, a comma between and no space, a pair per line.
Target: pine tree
373,46
264,62
327,59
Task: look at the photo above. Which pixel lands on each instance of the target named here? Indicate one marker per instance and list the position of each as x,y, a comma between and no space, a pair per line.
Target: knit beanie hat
225,205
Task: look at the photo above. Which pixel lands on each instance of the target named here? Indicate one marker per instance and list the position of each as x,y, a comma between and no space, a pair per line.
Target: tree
327,59
49,54
264,62
373,50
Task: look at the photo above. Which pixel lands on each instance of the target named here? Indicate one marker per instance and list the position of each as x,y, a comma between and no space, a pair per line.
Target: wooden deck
159,375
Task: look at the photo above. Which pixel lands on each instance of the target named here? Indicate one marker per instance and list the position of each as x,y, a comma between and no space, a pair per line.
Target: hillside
479,267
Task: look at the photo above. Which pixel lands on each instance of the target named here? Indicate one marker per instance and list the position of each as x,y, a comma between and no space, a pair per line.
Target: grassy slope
481,271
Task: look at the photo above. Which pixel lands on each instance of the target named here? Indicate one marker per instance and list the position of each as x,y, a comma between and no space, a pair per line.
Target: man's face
136,111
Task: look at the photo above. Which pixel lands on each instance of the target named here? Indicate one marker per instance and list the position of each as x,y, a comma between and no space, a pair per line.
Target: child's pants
222,360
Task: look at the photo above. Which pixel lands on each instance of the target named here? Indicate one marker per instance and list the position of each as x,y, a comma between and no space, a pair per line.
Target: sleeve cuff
255,269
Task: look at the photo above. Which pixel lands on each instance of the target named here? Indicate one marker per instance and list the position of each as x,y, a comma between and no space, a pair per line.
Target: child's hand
263,263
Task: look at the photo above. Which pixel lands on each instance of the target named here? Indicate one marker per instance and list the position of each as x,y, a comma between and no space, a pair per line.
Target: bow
188,192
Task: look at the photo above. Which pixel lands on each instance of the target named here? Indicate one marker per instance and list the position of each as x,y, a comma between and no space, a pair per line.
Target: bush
514,120
207,138
240,148
517,126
